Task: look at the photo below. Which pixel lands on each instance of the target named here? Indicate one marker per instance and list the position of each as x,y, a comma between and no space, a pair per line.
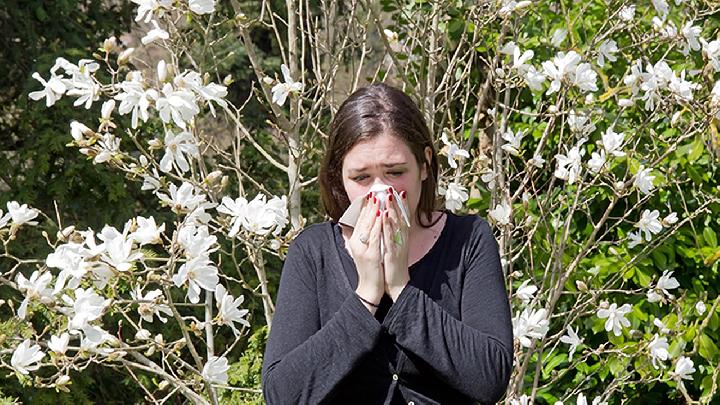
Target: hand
365,251
395,258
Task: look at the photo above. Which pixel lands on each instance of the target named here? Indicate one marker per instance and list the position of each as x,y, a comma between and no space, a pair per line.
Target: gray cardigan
446,340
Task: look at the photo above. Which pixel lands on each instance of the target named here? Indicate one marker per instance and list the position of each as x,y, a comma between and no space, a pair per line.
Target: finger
365,219
375,232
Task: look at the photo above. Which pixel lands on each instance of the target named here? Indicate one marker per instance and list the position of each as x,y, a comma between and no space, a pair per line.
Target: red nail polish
374,200
368,195
378,213
390,197
403,194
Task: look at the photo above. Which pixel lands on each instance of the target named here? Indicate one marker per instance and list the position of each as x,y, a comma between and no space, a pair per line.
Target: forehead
376,151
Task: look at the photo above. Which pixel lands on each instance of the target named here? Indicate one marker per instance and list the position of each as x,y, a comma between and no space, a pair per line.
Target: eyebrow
362,169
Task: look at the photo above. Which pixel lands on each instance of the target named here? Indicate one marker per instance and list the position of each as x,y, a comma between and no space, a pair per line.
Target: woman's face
384,159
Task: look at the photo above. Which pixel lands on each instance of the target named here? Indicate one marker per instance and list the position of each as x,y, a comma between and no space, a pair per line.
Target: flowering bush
587,133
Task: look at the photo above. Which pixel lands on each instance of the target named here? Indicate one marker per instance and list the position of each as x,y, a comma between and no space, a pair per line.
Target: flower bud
110,44
125,56
581,285
163,384
228,80
162,71
213,177
268,80
107,109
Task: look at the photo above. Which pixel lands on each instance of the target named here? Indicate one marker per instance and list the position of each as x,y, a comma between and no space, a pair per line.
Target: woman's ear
426,165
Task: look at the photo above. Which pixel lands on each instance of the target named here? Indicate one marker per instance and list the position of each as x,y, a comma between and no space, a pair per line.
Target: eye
396,173
359,178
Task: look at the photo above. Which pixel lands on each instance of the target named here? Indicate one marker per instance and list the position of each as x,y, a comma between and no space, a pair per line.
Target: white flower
147,231
523,400
612,142
635,239
142,334
513,141
52,89
534,78
568,167
119,253
508,6
658,350
176,105
529,325
558,37
607,49
561,67
453,151
537,161
278,205
455,195
653,296
212,92
712,52
684,368
615,317
25,356
229,310
581,400
154,34
670,219
86,307
649,223
182,198
572,339
149,306
657,322
281,90
526,291
627,13
644,180
21,214
202,6
176,146
580,123
133,98
259,217
585,77
501,213
198,272
236,209
391,36
665,283
196,240
215,370
700,308
661,6
146,8
59,344
691,34
597,161
35,289
150,181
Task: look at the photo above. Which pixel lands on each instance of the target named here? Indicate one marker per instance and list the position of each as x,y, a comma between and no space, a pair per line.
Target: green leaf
708,350
710,237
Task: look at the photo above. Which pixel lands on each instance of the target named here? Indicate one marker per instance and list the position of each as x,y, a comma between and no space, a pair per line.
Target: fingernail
378,213
374,200
403,194
390,197
368,195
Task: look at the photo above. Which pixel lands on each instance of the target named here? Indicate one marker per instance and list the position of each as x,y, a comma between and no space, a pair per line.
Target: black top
446,340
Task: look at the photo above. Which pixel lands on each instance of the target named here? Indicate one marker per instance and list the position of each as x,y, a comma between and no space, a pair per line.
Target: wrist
369,294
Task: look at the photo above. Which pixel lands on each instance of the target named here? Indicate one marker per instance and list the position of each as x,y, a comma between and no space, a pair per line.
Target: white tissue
381,191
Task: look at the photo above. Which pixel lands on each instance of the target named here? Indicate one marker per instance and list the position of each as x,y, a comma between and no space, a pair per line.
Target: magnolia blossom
215,370
455,195
513,141
572,339
558,37
177,106
635,239
176,147
684,368
501,213
712,52
147,231
612,142
391,36
607,49
256,216
453,151
700,307
661,6
644,180
561,67
581,400
580,123
568,166
154,34
530,324
523,400
213,93
25,357
526,291
229,310
534,78
665,283
146,8
59,344
35,288
202,6
148,306
670,219
585,77
659,350
133,98
691,34
649,223
508,6
663,329
21,214
183,198
198,272
597,161
87,306
281,90
52,91
615,317
627,13
196,240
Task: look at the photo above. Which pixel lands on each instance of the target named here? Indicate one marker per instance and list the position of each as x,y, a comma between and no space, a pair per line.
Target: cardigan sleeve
304,362
474,354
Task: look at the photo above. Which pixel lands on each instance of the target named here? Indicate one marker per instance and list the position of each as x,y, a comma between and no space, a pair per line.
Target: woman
428,322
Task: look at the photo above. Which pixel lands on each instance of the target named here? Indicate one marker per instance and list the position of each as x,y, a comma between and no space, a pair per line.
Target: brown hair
369,112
